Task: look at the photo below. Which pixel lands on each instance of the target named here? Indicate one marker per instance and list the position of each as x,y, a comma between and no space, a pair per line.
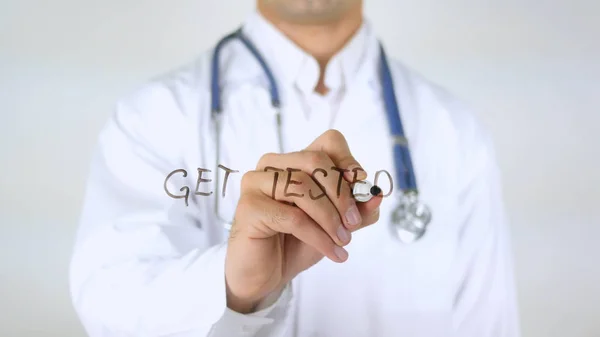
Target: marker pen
364,190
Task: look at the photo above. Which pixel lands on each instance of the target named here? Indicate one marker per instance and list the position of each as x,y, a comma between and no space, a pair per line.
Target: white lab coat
145,264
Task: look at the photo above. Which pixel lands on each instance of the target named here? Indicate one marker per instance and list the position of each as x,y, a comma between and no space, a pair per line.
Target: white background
530,67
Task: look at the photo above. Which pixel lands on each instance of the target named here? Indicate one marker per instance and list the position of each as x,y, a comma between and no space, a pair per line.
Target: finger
334,144
295,186
295,247
370,211
326,174
269,217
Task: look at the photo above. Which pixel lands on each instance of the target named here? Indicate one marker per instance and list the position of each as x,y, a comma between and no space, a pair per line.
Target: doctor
297,105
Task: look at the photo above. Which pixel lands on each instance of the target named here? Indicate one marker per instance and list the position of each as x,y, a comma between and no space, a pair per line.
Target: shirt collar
297,67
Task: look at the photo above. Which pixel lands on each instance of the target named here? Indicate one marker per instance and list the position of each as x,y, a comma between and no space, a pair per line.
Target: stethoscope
410,217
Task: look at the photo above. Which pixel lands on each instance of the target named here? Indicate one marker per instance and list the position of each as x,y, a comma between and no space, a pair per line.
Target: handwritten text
201,178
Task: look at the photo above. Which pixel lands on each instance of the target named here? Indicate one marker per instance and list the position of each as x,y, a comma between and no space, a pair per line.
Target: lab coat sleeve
485,301
143,263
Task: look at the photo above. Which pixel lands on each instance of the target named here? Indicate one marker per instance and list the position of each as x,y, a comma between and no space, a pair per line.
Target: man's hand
284,226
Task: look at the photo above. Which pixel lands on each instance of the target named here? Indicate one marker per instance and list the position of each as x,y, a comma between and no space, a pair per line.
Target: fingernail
343,234
341,253
353,216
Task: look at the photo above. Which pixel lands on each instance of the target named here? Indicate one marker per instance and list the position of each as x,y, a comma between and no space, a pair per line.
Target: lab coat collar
297,67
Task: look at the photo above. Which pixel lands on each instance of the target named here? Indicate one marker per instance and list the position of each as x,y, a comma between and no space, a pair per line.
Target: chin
312,12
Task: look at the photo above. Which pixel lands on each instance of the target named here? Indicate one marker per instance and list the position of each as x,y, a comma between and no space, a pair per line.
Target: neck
322,41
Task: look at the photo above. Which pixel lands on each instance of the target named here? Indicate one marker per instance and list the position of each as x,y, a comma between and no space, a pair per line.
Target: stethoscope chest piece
409,220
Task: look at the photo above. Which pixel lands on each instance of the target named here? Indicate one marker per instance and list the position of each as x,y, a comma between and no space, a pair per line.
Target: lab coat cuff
275,299
233,323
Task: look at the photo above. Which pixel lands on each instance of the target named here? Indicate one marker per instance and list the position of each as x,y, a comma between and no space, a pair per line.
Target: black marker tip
375,190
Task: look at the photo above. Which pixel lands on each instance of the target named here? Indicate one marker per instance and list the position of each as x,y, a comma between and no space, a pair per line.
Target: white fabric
144,264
